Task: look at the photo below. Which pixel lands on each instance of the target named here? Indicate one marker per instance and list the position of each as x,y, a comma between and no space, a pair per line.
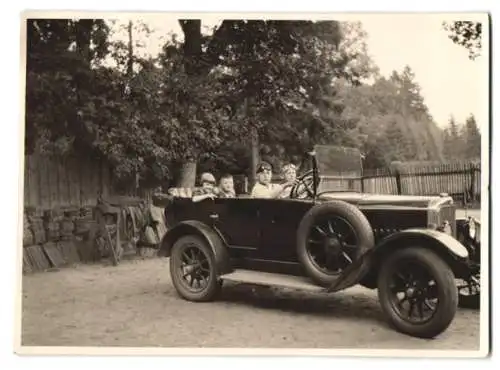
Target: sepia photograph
255,183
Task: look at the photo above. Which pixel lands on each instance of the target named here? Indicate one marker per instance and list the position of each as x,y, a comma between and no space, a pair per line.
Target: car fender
438,239
212,236
450,249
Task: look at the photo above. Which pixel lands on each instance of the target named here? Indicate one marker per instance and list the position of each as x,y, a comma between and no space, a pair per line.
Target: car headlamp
474,229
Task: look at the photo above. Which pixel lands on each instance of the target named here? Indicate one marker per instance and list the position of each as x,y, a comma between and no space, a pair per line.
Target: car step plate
270,279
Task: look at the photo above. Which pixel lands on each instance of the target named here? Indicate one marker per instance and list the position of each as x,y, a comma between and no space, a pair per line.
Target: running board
270,279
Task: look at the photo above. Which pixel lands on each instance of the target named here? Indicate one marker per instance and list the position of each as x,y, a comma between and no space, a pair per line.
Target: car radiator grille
448,213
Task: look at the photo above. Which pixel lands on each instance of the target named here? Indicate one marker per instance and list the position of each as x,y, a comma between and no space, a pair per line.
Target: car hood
383,200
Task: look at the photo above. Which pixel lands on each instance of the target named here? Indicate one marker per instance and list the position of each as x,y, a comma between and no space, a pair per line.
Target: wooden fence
61,182
456,179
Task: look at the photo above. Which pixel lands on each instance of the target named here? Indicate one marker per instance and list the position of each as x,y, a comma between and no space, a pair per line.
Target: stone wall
66,236
57,237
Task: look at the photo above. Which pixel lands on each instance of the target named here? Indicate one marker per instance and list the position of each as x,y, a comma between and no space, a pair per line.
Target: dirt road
134,304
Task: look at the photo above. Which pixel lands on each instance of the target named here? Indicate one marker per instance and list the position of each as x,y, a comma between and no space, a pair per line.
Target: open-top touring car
406,247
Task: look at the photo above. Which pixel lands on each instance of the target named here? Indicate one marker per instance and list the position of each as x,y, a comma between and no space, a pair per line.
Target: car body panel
278,219
447,241
363,199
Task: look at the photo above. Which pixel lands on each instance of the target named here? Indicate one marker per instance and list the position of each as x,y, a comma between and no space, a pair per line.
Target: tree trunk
187,176
83,38
192,45
254,145
192,53
254,159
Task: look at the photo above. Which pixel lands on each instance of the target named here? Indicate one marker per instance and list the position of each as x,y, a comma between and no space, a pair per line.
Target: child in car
226,187
289,172
207,189
264,188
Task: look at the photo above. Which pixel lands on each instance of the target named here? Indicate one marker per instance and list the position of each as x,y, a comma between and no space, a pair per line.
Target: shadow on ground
342,305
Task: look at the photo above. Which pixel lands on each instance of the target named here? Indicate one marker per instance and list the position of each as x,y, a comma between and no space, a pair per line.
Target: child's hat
207,177
264,166
288,167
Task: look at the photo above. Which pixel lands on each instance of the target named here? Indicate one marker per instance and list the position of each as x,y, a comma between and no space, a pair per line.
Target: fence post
350,184
398,180
472,193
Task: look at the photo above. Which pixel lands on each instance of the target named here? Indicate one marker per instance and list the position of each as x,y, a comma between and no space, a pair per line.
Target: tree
395,107
462,141
467,34
271,69
353,44
75,104
60,56
454,141
472,139
450,139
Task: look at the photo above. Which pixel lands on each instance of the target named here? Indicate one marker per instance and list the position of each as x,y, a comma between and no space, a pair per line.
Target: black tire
181,285
445,291
332,209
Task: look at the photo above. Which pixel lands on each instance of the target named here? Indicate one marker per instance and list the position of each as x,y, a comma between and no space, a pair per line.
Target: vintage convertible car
406,247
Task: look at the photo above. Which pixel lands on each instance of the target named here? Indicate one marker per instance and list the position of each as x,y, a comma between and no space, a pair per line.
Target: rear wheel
417,292
192,269
332,236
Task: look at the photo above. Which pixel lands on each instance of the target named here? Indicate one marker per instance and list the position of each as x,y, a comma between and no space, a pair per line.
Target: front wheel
417,292
192,269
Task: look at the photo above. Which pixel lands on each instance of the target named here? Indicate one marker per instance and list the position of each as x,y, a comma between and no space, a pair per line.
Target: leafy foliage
467,34
294,83
268,76
59,57
283,74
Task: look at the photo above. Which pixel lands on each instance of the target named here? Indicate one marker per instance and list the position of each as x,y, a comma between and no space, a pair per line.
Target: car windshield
338,161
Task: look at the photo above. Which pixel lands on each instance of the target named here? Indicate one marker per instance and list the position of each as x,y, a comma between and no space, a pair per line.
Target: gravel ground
135,304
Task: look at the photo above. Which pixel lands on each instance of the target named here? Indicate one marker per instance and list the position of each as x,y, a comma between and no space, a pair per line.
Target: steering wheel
304,186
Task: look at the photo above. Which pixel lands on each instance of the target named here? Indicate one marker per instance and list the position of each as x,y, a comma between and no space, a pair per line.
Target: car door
279,220
238,222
